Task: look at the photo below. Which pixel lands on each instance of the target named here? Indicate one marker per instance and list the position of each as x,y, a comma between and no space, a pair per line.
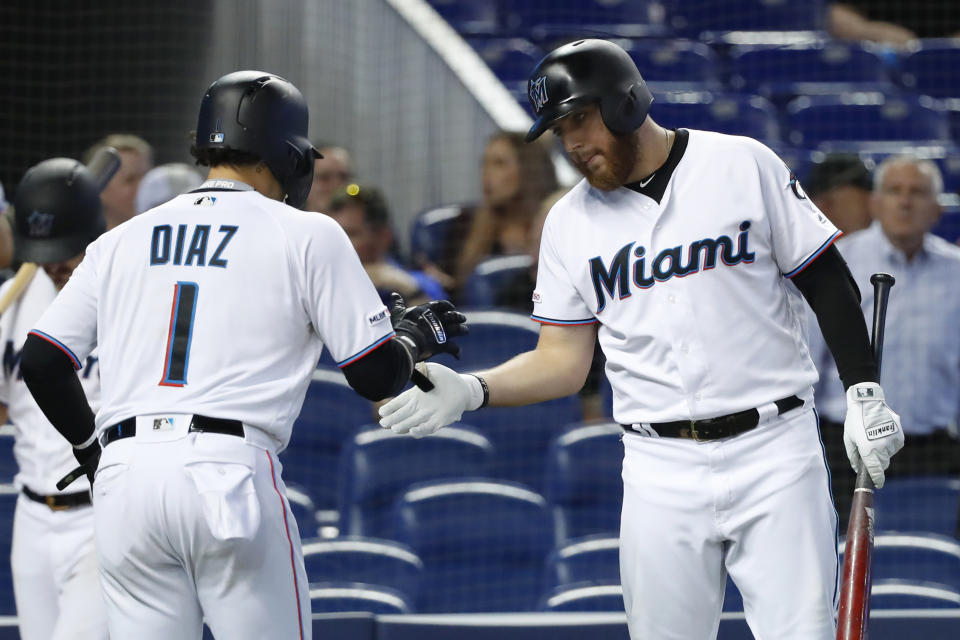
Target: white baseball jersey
697,316
157,295
43,455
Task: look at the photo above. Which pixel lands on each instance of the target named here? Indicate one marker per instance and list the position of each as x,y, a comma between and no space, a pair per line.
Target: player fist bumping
421,413
427,328
871,431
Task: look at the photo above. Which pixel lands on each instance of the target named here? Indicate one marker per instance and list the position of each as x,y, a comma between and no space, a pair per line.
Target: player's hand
871,431
430,326
89,459
421,413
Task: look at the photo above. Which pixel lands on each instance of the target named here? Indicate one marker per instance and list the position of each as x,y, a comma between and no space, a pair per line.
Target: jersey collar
219,184
654,185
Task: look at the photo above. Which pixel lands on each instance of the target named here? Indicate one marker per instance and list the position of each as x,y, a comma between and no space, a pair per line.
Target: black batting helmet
263,114
585,72
57,211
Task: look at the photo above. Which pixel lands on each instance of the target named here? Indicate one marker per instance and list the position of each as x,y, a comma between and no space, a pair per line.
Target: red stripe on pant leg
293,564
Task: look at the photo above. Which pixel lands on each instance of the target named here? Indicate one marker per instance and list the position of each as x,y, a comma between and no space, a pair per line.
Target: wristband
485,388
86,443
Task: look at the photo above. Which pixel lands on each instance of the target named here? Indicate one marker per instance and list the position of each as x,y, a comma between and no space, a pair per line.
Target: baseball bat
854,613
103,165
20,281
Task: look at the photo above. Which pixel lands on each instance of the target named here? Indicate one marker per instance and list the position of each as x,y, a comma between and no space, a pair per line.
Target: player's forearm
535,376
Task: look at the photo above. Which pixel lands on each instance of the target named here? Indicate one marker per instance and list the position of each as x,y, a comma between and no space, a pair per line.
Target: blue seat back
948,228
690,18
8,503
432,230
591,558
812,121
915,556
730,113
483,543
490,277
584,596
928,504
8,464
377,466
510,59
668,63
583,484
934,69
341,597
477,18
912,594
361,559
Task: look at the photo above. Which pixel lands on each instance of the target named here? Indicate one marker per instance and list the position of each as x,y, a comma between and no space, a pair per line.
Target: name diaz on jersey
667,264
165,247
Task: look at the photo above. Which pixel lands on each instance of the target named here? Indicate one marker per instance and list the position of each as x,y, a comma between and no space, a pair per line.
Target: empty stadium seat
304,509
469,18
8,464
700,18
731,113
915,556
483,544
813,120
781,72
377,466
490,277
588,559
948,227
510,59
8,503
945,154
564,19
495,336
584,596
583,485
676,64
369,560
331,413
912,594
933,69
928,504
339,597
432,228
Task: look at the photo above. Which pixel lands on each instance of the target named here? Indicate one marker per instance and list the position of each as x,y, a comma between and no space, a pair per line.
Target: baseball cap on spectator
838,170
162,183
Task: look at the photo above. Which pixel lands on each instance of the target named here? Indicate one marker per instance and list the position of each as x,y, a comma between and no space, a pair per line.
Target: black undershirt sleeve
381,373
53,382
832,293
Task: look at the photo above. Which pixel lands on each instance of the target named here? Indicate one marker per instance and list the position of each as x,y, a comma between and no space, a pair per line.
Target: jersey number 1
180,334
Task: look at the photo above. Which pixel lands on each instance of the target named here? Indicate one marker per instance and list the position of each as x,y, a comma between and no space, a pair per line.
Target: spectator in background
921,355
136,158
362,212
330,174
840,186
893,22
162,183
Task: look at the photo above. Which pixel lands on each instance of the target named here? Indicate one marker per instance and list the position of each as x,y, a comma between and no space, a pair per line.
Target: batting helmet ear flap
624,111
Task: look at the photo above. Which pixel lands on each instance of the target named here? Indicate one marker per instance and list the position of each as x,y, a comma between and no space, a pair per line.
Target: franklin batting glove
871,431
421,413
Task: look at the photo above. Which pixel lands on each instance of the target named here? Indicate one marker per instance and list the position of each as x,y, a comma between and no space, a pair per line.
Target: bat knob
882,278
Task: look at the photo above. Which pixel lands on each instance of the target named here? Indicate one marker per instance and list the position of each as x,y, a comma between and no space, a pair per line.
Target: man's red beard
620,161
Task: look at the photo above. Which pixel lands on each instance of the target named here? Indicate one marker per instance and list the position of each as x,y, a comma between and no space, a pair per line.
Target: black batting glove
428,327
89,459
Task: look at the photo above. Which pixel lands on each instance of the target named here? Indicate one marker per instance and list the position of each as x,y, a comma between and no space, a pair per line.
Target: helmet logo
41,224
217,135
538,93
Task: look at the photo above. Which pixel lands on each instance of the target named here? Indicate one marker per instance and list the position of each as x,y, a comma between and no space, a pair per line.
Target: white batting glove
421,413
871,431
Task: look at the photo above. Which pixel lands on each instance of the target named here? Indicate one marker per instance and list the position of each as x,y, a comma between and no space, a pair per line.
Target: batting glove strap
871,431
89,459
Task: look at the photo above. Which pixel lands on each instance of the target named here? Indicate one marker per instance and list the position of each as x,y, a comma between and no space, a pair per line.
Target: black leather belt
731,424
128,428
60,501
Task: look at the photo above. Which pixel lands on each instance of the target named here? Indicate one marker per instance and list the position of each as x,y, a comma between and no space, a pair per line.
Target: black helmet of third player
264,114
57,212
585,72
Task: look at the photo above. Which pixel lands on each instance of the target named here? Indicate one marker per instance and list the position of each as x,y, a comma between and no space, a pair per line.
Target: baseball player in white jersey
210,313
680,247
54,564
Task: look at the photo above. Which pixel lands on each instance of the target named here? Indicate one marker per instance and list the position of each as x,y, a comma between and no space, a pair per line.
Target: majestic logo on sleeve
701,256
538,93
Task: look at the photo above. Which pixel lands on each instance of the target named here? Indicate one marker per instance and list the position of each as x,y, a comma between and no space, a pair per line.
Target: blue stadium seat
915,556
340,597
946,155
814,120
912,594
304,509
676,64
377,466
584,596
469,18
565,19
695,18
589,559
948,227
782,72
510,59
483,544
8,464
8,503
432,228
583,485
928,504
331,413
732,599
495,336
933,69
731,113
489,277
369,560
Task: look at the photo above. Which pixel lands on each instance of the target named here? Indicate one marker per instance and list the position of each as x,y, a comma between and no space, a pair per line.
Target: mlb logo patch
375,318
216,137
